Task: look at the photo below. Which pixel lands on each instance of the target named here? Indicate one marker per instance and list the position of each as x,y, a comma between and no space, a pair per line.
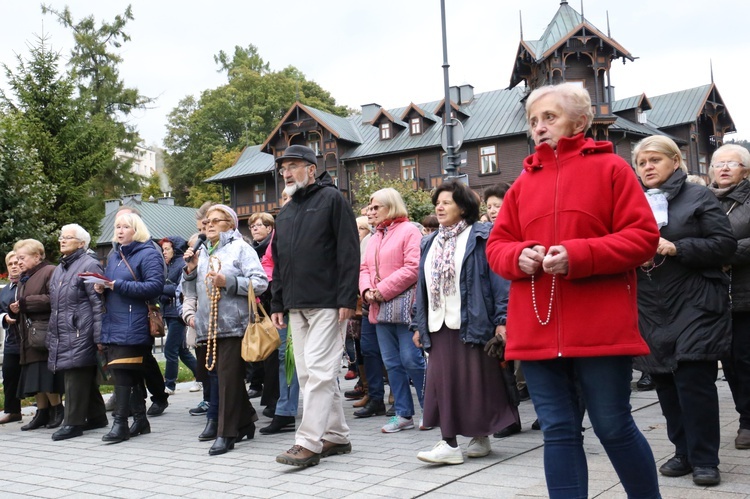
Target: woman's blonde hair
31,246
10,255
660,144
362,223
575,101
391,198
141,231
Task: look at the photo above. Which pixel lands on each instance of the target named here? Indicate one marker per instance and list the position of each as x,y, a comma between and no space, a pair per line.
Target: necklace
214,295
551,298
650,267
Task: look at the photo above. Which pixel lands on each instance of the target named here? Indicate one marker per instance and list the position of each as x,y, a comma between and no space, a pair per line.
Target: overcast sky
390,51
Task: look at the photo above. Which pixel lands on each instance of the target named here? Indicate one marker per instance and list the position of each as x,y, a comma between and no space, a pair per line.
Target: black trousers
270,380
235,409
11,377
82,398
690,403
737,367
154,378
201,373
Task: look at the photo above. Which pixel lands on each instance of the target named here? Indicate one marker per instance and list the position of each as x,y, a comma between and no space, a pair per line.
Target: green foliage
242,112
27,194
152,187
418,201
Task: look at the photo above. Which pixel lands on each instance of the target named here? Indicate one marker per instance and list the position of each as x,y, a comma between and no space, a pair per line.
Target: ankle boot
119,431
209,432
56,415
40,419
140,424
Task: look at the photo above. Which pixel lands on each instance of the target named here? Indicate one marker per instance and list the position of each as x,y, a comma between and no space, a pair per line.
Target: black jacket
315,250
683,302
736,203
75,324
12,340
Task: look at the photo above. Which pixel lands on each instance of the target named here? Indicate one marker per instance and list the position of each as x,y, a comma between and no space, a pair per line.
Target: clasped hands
552,261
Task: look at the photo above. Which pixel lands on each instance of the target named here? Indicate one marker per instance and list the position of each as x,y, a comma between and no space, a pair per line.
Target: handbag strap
252,304
125,261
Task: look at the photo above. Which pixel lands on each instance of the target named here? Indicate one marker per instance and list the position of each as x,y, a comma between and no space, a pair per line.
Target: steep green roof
677,108
251,161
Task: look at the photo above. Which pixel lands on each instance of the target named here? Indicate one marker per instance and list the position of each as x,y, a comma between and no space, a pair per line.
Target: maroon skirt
465,392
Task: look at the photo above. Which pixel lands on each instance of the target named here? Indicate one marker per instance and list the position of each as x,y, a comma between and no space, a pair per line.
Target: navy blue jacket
125,320
12,342
484,294
167,299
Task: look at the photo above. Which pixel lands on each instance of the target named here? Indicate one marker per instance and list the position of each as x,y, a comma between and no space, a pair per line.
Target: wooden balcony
245,210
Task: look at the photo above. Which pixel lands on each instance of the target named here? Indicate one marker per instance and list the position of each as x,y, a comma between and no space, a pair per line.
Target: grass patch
183,375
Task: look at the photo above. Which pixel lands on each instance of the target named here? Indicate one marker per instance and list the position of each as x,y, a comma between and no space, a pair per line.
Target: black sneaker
704,475
200,410
676,466
157,408
645,383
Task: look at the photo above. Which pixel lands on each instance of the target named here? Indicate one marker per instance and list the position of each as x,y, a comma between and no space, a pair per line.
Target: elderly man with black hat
316,255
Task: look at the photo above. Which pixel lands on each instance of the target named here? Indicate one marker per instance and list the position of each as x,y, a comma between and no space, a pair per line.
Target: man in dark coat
316,256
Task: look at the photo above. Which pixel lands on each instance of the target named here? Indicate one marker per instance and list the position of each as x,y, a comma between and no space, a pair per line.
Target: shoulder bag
37,334
155,319
398,309
261,337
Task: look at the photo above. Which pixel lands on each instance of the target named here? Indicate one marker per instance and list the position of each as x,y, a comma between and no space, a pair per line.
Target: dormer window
385,131
415,126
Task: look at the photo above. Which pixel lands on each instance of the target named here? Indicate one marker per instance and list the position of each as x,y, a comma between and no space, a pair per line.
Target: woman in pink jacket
387,281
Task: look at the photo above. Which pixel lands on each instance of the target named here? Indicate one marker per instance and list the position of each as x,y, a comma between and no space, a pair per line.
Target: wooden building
405,142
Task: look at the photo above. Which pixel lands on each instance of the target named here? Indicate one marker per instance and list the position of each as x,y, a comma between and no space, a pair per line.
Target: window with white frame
259,193
369,168
488,159
313,142
334,175
416,126
409,168
385,131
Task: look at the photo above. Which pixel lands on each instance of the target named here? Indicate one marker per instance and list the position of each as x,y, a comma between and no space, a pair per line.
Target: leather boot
56,415
40,419
363,401
140,424
209,432
373,408
119,431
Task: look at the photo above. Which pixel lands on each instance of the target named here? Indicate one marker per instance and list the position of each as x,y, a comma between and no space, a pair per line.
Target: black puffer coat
75,324
736,203
683,302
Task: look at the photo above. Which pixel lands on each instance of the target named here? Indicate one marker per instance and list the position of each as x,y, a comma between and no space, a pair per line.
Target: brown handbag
261,337
155,319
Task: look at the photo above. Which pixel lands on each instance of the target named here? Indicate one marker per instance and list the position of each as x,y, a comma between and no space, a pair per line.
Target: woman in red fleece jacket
573,228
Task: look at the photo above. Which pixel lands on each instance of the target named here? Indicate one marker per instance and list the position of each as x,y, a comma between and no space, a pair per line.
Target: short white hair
81,233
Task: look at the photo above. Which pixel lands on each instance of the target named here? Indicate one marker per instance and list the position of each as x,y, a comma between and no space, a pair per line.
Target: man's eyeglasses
289,168
214,221
729,164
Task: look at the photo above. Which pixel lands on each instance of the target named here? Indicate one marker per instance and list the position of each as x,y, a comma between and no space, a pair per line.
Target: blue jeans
176,350
605,387
403,360
372,360
288,395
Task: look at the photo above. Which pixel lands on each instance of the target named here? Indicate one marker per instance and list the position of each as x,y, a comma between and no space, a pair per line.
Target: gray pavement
170,462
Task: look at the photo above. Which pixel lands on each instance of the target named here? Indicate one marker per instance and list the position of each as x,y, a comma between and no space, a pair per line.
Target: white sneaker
168,390
422,427
397,423
196,387
479,447
442,453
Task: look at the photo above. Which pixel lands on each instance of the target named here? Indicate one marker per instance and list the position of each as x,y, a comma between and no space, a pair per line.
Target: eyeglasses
67,238
214,221
375,207
13,264
257,226
728,164
289,168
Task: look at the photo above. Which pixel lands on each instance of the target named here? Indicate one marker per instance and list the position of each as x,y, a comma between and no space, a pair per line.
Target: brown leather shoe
332,449
10,418
361,402
299,456
743,439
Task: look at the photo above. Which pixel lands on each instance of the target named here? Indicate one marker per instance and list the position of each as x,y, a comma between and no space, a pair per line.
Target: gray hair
575,101
81,233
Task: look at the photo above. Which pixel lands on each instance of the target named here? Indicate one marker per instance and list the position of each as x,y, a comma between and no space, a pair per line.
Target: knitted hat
229,211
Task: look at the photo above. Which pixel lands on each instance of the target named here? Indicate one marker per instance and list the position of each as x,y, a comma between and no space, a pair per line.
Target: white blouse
449,311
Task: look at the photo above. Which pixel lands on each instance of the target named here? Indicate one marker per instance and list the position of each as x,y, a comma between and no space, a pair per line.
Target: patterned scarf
657,200
443,272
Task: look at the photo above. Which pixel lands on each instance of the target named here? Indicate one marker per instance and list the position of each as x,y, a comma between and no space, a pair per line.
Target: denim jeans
605,386
288,395
176,350
372,359
403,360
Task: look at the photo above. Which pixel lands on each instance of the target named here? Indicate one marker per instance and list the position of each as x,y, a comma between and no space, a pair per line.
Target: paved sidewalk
170,462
